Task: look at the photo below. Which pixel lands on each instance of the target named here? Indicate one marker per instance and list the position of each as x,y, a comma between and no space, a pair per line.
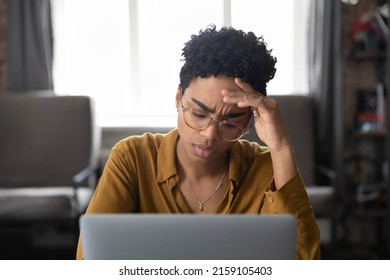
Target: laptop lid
188,237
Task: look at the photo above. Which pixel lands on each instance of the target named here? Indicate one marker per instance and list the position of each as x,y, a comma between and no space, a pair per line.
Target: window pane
126,53
91,40
283,26
163,28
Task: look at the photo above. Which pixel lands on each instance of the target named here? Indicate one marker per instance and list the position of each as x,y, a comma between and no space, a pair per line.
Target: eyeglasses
200,120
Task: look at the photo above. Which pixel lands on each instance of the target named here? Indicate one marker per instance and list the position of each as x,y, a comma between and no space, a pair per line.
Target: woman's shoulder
142,142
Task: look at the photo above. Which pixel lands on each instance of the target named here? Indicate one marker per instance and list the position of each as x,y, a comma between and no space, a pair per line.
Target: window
126,54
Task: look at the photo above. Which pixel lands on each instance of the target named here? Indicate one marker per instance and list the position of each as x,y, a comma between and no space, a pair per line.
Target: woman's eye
199,115
229,125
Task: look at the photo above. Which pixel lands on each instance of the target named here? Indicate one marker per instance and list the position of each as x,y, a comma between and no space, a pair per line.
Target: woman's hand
269,127
267,119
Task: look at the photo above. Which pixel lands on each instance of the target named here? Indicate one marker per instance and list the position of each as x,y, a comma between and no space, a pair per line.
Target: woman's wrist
284,165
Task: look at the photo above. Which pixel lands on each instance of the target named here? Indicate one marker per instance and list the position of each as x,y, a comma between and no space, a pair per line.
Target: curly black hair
228,52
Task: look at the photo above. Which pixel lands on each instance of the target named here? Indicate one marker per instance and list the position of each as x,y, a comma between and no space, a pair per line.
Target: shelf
367,55
367,145
369,213
371,134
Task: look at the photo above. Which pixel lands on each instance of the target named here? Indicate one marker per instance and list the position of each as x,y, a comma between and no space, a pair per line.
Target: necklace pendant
201,207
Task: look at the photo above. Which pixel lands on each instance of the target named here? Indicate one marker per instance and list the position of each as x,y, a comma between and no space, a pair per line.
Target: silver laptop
188,237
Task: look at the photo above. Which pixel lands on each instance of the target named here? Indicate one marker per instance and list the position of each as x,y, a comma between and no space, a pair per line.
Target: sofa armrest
84,174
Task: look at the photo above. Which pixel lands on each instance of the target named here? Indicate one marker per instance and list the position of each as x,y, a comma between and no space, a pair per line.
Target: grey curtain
30,45
325,75
325,85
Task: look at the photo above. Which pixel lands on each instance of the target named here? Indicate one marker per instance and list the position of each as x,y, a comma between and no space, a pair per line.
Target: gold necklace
201,203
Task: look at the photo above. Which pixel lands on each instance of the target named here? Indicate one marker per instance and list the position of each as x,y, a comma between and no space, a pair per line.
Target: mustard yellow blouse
141,176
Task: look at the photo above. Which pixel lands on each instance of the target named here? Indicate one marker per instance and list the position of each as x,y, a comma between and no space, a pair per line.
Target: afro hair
228,52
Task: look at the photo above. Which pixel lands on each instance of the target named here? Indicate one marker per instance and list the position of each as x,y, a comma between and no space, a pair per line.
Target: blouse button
271,199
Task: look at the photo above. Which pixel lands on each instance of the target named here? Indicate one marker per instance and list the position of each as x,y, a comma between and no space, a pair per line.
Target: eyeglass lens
200,120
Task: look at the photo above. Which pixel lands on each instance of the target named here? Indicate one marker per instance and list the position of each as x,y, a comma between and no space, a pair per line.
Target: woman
203,166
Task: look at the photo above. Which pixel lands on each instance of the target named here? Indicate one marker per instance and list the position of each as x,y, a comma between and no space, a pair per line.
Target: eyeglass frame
245,131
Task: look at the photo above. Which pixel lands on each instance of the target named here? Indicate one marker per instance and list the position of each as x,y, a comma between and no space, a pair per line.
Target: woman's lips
203,151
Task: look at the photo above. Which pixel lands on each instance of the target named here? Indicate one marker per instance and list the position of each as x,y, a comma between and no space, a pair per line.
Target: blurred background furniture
49,155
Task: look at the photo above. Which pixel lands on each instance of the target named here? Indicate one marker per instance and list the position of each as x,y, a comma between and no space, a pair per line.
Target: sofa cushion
44,204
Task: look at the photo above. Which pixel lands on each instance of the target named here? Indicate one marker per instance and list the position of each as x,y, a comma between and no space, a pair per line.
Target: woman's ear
178,96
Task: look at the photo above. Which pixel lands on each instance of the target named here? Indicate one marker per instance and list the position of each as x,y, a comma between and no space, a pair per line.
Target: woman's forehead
206,94
212,84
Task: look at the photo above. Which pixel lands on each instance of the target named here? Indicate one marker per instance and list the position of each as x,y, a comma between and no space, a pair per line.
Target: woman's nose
211,132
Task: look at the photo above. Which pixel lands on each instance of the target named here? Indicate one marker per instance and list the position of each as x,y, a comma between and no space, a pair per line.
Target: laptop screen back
188,237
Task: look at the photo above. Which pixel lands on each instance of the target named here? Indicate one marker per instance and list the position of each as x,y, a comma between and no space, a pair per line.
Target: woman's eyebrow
207,109
203,106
